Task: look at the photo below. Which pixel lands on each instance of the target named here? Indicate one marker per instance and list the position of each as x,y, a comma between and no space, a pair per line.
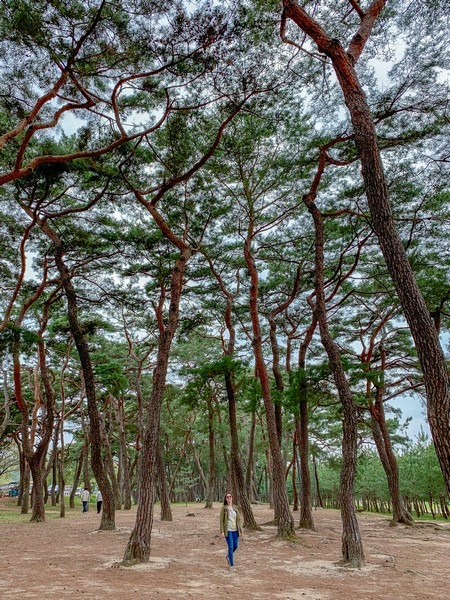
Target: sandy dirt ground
69,558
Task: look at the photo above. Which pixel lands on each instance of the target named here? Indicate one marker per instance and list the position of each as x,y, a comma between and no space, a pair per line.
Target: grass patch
10,512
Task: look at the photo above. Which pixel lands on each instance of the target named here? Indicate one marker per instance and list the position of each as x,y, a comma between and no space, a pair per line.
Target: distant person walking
85,497
230,527
99,498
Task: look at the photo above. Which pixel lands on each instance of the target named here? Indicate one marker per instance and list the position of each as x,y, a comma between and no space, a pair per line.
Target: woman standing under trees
230,527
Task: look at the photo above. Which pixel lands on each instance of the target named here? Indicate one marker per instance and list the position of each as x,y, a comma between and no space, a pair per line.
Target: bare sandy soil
69,558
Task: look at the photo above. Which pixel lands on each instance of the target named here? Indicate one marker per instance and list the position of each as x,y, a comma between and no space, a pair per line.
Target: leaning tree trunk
426,338
107,522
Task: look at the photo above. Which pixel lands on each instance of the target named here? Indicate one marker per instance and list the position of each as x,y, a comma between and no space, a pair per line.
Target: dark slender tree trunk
166,511
249,476
109,462
306,520
125,463
294,476
76,480
212,466
317,484
240,491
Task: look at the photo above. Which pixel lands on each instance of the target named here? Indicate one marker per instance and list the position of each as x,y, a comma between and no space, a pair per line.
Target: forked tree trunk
35,455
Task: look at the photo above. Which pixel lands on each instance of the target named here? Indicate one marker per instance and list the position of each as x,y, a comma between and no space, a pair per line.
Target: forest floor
69,558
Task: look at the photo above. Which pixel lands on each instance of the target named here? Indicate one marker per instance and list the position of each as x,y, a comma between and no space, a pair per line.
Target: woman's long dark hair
225,499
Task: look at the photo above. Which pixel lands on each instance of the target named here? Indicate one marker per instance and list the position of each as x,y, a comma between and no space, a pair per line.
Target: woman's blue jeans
232,541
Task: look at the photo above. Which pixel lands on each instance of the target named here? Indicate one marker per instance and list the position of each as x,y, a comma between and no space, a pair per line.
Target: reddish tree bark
283,514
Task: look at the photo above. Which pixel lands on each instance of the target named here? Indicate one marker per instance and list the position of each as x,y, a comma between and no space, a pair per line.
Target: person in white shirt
99,499
85,497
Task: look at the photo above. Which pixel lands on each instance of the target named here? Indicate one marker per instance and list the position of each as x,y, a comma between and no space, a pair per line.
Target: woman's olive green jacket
224,520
